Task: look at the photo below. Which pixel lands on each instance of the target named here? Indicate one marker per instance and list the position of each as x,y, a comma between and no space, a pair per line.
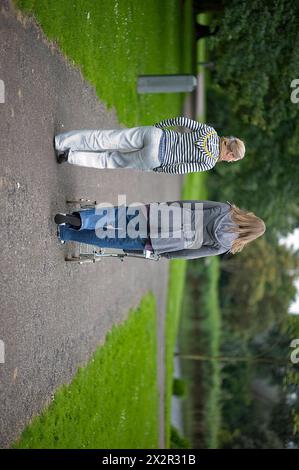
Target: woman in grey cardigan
150,148
179,229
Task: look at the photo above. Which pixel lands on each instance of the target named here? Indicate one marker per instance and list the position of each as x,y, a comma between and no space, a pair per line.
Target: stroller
85,253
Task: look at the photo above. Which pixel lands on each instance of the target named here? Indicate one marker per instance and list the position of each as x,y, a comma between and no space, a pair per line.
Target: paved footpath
54,314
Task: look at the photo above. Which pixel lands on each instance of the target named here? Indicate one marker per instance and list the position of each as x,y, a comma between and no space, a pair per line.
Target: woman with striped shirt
150,148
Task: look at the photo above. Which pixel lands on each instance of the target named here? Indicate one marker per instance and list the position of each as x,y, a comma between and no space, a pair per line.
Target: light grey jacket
213,225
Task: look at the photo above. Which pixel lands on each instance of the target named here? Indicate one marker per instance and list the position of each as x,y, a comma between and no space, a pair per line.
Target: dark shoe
62,157
71,219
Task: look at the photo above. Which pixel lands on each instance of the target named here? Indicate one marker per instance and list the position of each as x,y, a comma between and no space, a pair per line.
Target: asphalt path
54,314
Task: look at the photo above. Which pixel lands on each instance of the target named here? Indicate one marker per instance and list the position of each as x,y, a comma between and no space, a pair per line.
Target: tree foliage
258,286
256,59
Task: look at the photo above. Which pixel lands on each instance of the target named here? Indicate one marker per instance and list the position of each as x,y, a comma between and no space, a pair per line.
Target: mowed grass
210,328
211,325
200,333
112,402
196,187
114,41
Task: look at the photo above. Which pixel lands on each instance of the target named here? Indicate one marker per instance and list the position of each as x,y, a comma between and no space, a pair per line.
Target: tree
255,52
260,287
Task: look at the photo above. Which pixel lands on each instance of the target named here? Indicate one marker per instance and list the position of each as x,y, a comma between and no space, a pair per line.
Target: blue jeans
114,221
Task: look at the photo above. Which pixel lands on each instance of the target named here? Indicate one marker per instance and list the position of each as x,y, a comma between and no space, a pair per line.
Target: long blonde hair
248,227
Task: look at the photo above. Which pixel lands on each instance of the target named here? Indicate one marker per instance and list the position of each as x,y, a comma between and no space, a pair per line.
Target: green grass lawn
211,324
114,41
211,331
113,401
200,333
196,187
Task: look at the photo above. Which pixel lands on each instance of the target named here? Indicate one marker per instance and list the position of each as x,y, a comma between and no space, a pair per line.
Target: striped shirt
187,152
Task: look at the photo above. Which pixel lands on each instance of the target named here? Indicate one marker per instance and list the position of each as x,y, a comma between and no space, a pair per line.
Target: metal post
166,83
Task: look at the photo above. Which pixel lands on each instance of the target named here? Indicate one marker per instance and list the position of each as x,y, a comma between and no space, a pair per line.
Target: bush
179,387
177,441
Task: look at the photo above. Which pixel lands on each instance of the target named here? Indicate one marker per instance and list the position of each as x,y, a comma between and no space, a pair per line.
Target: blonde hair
236,146
248,227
